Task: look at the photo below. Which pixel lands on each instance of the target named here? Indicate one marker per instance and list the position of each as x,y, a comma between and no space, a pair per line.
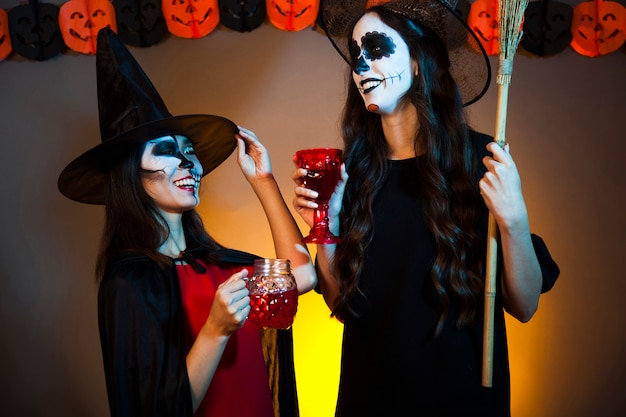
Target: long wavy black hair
453,205
133,224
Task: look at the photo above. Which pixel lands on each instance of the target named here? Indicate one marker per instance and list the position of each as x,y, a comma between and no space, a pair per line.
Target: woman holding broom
417,188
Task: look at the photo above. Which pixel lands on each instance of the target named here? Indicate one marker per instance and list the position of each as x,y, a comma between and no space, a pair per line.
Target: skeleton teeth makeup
187,182
381,64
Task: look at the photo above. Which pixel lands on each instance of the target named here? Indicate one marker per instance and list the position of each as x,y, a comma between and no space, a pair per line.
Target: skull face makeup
171,173
381,64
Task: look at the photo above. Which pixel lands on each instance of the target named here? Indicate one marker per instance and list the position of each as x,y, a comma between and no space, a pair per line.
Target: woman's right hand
231,305
304,200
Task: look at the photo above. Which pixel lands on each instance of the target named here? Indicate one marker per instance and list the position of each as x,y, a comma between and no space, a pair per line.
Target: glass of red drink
273,294
323,172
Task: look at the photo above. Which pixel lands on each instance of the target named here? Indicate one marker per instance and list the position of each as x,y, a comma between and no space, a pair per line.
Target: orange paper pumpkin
191,19
598,27
483,20
292,15
5,39
80,21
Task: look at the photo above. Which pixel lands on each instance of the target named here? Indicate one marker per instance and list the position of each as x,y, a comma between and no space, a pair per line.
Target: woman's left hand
501,187
252,157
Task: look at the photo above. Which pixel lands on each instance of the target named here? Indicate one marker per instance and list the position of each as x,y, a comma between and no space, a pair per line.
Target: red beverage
323,181
323,167
276,310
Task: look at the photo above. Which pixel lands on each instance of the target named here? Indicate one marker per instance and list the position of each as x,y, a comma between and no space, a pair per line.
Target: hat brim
213,138
469,62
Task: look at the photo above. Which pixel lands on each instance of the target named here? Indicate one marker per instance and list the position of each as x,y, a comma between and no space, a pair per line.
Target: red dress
240,386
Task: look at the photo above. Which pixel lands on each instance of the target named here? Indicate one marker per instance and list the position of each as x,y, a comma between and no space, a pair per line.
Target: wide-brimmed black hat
131,113
469,63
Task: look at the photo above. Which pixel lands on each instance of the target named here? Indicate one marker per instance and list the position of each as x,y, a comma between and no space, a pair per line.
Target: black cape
141,323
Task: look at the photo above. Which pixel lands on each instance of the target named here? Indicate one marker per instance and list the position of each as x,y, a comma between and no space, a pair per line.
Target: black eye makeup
377,45
165,148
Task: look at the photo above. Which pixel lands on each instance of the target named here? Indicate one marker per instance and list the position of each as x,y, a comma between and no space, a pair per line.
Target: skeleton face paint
171,173
381,64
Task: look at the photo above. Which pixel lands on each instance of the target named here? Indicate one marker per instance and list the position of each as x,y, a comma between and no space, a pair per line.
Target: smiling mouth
187,182
370,84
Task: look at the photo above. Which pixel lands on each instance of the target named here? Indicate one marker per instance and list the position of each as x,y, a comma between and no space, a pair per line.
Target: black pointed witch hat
131,113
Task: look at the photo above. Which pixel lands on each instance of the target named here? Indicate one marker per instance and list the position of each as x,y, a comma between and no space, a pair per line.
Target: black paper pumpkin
140,22
547,26
242,15
34,29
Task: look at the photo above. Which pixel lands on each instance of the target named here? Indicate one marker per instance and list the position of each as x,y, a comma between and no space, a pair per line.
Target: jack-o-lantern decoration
191,19
292,15
547,26
483,20
140,22
598,27
242,15
5,38
80,21
35,31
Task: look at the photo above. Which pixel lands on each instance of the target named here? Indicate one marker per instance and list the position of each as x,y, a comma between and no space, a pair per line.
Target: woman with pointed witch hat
173,302
407,280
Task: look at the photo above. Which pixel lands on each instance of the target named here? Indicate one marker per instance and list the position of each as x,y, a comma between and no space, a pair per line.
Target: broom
510,17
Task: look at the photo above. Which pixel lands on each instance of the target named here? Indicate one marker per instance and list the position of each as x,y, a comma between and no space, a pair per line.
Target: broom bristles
510,22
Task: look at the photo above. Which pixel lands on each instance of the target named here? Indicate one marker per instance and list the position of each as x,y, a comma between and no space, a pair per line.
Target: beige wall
566,127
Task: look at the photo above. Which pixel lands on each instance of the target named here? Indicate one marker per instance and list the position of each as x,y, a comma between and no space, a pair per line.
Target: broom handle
503,80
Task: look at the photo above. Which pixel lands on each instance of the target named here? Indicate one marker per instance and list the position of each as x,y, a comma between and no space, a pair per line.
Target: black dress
392,365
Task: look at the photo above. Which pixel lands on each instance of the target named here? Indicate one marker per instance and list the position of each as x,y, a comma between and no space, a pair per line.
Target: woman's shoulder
131,267
479,139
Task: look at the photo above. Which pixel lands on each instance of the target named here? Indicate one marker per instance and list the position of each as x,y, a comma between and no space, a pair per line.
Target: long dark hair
452,206
133,224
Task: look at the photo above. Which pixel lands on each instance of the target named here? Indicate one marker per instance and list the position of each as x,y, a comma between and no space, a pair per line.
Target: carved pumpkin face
598,27
140,22
482,19
242,15
547,27
5,39
80,21
191,18
35,31
292,15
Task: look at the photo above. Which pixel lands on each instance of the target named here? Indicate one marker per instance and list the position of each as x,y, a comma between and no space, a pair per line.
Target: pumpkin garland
5,39
598,27
80,21
40,31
